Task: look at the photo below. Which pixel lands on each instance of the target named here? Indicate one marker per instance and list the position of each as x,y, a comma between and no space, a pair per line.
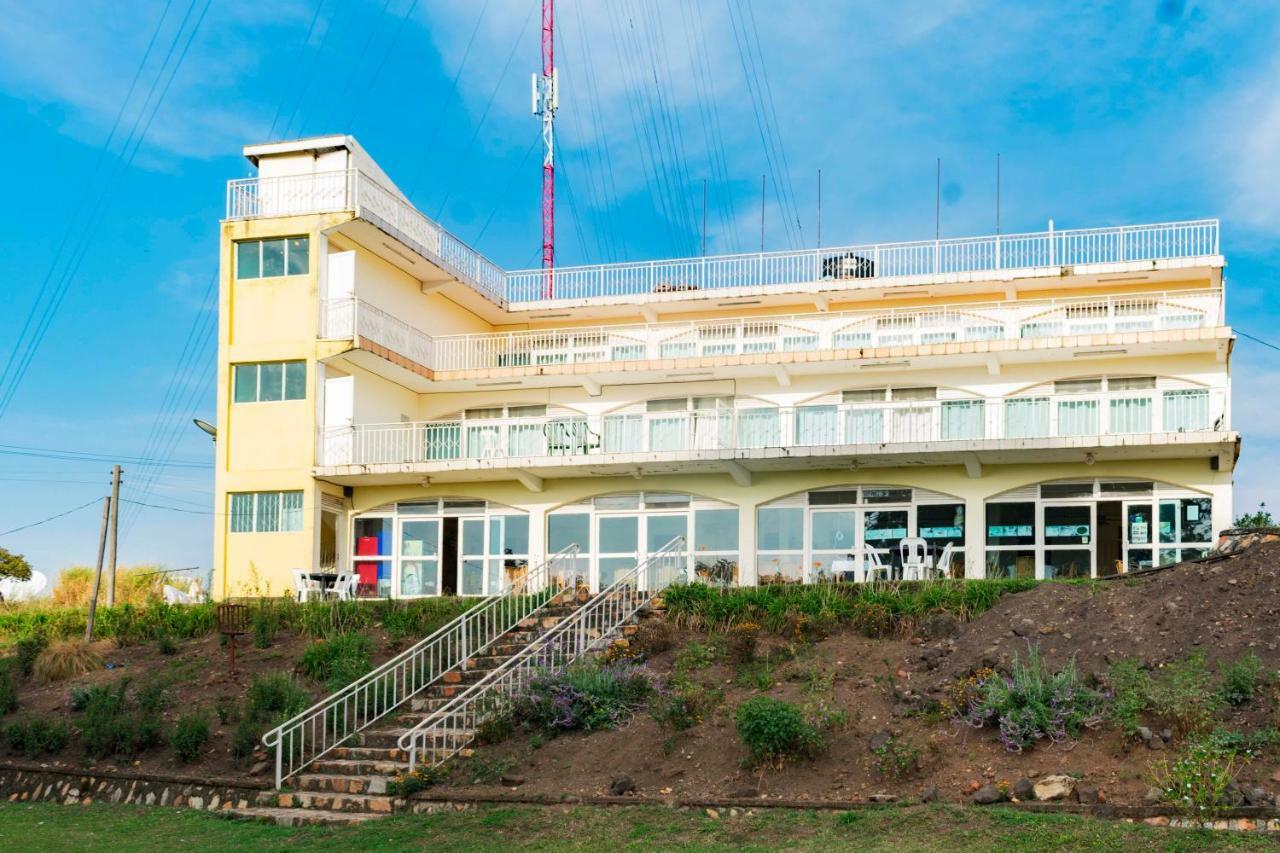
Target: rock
1024,790
987,795
879,740
1023,627
621,785
258,768
938,626
1155,743
1054,787
1153,796
713,814
1143,733
973,785
929,794
511,780
881,798
1255,796
1166,735
1087,794
1232,795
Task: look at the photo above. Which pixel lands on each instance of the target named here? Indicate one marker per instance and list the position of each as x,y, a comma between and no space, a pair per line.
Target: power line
297,64
170,508
1257,340
85,456
51,518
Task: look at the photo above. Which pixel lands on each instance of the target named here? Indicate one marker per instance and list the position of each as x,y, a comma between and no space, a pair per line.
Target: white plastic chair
344,588
913,550
875,569
305,586
943,567
173,595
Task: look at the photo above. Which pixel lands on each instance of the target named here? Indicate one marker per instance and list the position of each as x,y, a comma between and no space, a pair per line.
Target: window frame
286,370
289,245
287,518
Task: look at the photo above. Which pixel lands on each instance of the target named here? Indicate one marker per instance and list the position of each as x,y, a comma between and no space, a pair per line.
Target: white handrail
326,724
449,729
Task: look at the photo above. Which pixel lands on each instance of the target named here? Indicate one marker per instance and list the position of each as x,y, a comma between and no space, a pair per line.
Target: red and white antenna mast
546,98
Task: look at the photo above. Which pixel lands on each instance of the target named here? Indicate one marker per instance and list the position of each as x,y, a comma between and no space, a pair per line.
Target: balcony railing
357,192
832,331
874,428
344,319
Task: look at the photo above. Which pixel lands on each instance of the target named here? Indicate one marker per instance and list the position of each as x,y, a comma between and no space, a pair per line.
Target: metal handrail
329,722
448,730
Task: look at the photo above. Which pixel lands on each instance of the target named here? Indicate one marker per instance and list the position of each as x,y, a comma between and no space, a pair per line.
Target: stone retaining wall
29,784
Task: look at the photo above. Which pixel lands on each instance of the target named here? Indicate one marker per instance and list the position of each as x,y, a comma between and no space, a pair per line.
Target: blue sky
1103,113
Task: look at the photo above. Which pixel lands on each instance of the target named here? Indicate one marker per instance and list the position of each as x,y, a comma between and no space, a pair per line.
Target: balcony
1048,427
847,267
773,339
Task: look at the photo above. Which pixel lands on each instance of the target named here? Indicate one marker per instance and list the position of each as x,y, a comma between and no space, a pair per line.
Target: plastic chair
875,569
305,586
913,550
344,587
173,595
943,567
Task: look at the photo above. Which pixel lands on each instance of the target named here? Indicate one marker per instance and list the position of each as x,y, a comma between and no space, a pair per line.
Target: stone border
32,784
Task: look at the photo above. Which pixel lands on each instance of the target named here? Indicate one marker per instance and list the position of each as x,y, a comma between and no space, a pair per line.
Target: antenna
546,99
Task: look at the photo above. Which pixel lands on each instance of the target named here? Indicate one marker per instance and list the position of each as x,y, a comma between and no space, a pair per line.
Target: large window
279,256
1011,539
269,381
780,544
266,512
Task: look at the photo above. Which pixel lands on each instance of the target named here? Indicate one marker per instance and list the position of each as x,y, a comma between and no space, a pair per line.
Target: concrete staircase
349,784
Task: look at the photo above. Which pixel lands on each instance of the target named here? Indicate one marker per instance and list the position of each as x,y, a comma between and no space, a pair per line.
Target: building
391,402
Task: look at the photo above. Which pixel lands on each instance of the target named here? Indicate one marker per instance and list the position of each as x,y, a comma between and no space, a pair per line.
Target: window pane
267,517
272,258
758,428
373,537
963,419
299,262
832,531
1011,564
246,383
886,496
619,535
1067,563
1186,410
941,523
816,425
1067,525
1077,417
419,538
1011,524
715,529
242,513
247,265
1131,414
295,380
271,380
1197,521
780,529
1026,418
661,529
1066,490
569,529
515,534
292,511
1168,521
863,426
473,536
1139,526
622,433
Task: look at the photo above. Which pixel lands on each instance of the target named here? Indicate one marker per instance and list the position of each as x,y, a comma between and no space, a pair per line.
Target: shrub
28,648
1240,679
190,736
35,736
741,641
265,624
897,758
338,661
153,697
653,637
773,730
1033,703
245,738
1179,694
420,779
873,619
693,656
587,696
8,686
960,693
680,704
165,644
114,726
274,698
1130,687
1196,781
66,659
226,708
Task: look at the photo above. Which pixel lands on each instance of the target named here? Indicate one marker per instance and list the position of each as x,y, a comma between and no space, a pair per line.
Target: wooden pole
97,573
115,532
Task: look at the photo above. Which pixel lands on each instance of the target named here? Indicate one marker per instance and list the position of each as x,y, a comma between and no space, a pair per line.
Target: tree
14,566
1261,518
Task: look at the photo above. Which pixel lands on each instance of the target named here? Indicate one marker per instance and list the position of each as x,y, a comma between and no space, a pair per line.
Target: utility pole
115,532
97,573
546,99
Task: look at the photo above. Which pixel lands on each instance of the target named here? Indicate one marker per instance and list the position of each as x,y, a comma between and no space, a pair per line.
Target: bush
1196,781
66,659
585,696
154,697
226,708
246,738
1240,680
339,661
112,725
28,648
773,730
8,686
693,656
165,644
653,637
420,779
1034,703
35,736
275,698
189,737
680,704
265,624
897,758
741,641
1179,694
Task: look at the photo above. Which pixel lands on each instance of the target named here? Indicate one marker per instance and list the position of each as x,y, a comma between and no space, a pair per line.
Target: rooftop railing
871,427
757,272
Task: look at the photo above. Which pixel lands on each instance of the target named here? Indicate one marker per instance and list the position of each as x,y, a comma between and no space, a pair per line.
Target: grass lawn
49,828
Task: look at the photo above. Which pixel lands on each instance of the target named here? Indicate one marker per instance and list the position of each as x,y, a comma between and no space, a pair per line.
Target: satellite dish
14,589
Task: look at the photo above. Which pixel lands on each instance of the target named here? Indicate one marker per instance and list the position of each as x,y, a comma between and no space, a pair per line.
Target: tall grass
135,585
146,622
705,608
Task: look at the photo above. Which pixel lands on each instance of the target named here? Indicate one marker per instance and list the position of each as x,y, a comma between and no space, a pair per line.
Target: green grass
51,828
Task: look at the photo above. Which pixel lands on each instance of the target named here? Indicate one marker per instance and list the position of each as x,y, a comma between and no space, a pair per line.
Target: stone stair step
297,817
359,767
327,801
369,753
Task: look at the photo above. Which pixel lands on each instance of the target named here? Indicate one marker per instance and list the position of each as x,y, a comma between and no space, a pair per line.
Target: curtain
1131,414
864,426
759,428
292,516
963,419
1026,418
1077,417
1185,411
816,425
622,433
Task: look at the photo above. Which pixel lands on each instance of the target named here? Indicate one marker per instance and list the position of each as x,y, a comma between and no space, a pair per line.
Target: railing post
1052,248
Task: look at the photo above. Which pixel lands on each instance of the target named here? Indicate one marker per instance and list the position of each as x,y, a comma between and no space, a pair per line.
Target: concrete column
975,540
747,545
537,535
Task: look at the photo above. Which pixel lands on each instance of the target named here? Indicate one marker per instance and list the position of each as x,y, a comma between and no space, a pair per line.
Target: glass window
1067,563
1130,414
678,404
832,530
759,428
267,513
271,381
1011,563
1077,386
295,380
248,262
272,258
1131,383
870,395
1077,417
1137,487
373,537
1011,524
1185,411
1139,558
242,512
565,529
941,524
780,529
515,534
291,511
1026,417
886,496
816,425
715,530
1168,531
1139,526
662,529
914,393
833,497
1068,525
963,419
1196,520
299,260
246,383
619,534
1066,490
